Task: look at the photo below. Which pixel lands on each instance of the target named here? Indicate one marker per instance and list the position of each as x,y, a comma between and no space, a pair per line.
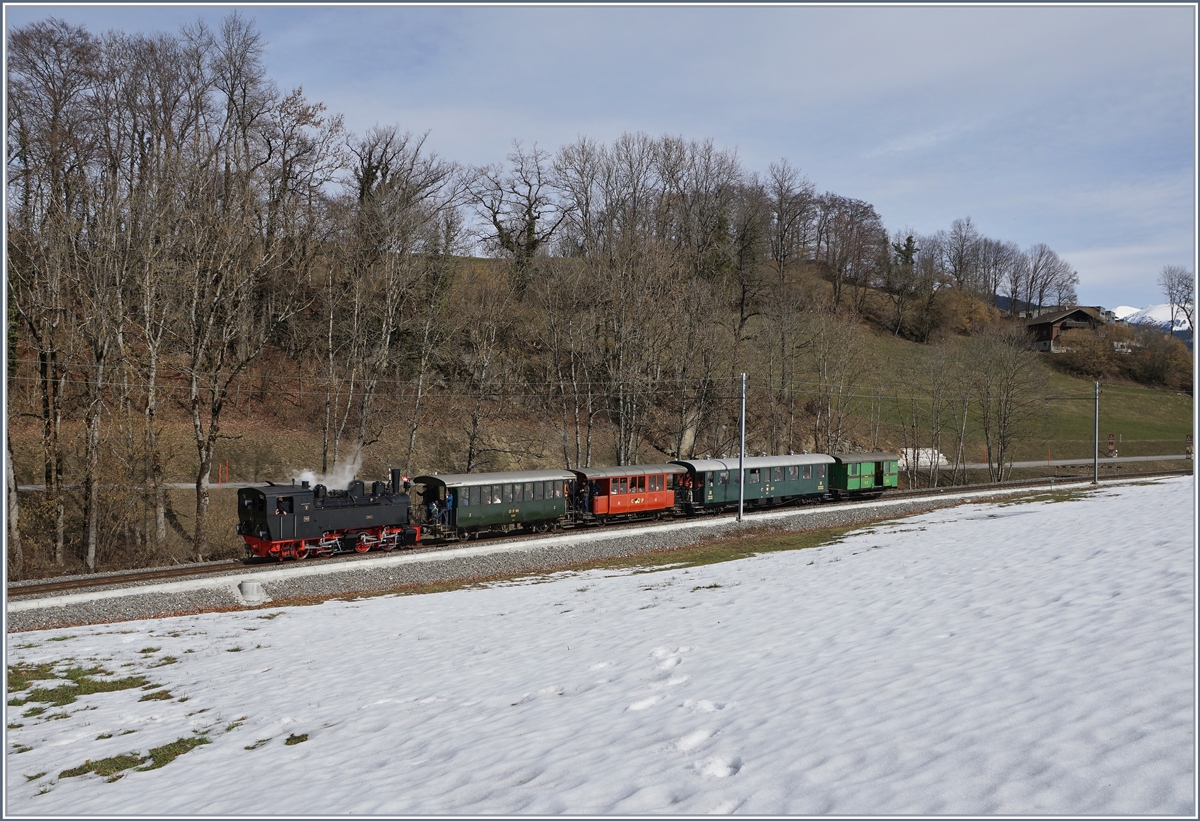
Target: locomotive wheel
303,552
387,545
362,545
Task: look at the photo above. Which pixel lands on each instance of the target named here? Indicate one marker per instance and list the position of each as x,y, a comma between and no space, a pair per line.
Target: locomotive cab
275,513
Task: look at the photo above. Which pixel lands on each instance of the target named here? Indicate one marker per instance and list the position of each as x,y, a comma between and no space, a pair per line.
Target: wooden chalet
1047,328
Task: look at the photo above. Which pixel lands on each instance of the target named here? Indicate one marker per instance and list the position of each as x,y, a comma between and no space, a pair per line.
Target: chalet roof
1088,314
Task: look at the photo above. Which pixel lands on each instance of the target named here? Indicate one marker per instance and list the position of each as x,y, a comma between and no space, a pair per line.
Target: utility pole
1096,436
742,455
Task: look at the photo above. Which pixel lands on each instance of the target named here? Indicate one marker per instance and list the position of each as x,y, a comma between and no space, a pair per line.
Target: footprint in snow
664,652
704,706
645,703
692,740
719,766
671,682
726,807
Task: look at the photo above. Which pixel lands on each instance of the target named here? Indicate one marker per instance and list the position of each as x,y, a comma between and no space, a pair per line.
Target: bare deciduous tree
1008,389
1179,287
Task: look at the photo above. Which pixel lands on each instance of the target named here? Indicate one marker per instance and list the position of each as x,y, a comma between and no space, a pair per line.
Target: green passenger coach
463,504
859,473
770,480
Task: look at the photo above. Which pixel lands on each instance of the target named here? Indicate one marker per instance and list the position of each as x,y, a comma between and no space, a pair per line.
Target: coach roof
628,470
758,462
506,477
854,458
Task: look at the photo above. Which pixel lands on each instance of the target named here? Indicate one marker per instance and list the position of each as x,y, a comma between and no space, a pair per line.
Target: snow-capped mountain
1151,315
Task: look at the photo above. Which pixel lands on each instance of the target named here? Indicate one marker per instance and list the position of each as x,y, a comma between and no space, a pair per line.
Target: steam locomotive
281,521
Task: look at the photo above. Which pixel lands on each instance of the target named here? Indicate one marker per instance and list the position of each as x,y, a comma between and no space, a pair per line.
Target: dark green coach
466,503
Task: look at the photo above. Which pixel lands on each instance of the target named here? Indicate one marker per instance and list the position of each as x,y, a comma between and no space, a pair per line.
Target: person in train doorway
433,512
446,510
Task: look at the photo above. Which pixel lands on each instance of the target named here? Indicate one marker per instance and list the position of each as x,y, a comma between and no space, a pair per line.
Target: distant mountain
1157,316
1151,315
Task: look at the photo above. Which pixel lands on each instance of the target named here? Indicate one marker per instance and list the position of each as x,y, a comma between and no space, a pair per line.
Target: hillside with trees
210,277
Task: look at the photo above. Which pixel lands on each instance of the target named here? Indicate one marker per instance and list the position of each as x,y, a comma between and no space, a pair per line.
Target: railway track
34,589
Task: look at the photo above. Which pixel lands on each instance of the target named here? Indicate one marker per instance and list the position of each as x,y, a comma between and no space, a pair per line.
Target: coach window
496,494
808,471
622,486
820,471
518,492
712,477
723,477
792,473
507,494
529,491
778,475
539,491
475,495
753,477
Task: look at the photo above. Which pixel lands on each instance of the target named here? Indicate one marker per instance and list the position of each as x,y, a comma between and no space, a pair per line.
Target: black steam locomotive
281,521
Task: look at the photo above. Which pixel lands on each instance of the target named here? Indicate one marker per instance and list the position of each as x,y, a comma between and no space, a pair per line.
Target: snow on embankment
1021,657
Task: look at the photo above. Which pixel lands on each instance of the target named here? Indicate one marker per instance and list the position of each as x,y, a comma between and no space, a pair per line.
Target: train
294,522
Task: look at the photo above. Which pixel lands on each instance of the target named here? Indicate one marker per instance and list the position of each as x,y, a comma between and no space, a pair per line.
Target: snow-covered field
1031,657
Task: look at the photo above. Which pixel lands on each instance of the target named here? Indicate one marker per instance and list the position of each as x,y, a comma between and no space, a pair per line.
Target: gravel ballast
487,559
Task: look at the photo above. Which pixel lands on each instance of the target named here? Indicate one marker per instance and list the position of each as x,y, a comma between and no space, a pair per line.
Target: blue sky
1073,126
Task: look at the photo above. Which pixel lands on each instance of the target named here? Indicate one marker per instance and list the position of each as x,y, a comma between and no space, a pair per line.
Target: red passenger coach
631,490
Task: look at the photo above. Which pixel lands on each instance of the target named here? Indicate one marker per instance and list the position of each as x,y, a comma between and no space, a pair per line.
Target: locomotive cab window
283,504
